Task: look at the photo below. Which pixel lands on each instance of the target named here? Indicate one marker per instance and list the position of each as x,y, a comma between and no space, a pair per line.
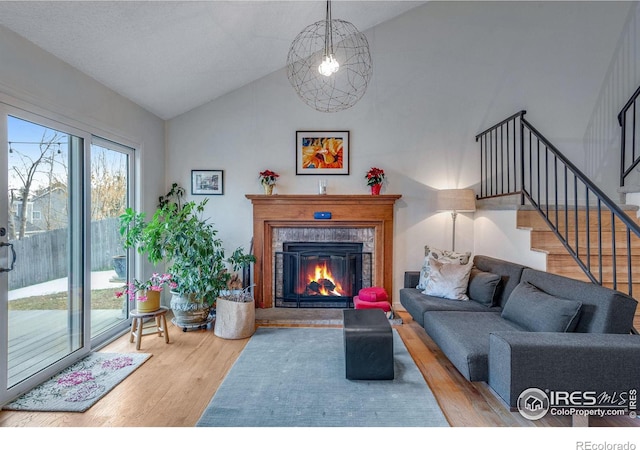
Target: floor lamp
456,200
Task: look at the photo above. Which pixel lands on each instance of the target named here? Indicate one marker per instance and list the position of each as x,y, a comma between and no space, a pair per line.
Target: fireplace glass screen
320,274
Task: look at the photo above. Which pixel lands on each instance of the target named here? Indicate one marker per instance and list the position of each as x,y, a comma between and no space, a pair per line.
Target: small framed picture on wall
207,182
322,153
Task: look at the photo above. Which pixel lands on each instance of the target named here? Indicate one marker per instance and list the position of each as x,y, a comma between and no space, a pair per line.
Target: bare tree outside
32,169
108,183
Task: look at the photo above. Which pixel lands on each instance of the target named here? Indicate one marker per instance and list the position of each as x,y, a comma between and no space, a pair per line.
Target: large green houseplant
179,235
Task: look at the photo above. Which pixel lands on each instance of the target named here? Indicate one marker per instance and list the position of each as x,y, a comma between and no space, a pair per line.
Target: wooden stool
137,327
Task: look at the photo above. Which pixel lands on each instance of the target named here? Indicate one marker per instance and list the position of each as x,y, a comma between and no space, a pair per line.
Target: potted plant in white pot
179,235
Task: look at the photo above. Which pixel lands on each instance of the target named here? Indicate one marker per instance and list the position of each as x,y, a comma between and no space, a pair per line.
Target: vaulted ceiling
172,56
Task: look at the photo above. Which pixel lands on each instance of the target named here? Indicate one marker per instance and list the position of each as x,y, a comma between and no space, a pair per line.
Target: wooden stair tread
607,280
593,235
621,260
607,277
533,220
600,246
559,249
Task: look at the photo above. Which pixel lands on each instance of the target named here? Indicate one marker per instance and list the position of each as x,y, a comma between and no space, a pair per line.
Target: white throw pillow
444,256
448,280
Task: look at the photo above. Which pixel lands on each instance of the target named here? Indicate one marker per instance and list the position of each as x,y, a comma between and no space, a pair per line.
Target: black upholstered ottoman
368,345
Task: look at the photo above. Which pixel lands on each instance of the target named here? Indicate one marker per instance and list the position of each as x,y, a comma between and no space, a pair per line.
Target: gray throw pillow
535,310
483,287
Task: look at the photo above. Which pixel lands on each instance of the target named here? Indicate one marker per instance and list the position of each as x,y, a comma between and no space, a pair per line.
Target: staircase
599,247
585,234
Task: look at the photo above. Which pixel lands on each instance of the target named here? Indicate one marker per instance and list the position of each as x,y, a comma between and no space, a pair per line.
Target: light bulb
329,66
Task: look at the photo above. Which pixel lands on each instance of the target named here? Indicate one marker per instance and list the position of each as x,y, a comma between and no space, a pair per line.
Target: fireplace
346,218
320,274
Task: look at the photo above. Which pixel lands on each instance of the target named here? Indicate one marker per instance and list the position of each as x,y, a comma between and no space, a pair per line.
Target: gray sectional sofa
523,328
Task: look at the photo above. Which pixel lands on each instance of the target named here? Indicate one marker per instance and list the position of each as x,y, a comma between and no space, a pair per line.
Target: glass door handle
13,260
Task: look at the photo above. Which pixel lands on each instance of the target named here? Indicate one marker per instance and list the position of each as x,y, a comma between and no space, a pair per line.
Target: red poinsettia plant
374,176
155,283
268,177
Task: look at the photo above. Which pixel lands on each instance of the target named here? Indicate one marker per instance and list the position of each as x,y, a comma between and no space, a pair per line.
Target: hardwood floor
175,385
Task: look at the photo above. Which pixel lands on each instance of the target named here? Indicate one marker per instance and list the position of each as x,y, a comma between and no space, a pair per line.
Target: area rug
295,377
79,386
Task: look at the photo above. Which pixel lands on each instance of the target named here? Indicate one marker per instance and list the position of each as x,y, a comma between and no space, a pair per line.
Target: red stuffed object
362,304
373,294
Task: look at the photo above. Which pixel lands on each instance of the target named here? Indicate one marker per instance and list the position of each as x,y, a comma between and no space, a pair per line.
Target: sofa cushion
411,279
510,274
448,280
444,256
464,338
572,362
417,304
535,310
603,310
483,286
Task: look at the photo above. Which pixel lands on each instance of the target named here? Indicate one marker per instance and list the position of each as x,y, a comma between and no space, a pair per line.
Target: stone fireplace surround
277,216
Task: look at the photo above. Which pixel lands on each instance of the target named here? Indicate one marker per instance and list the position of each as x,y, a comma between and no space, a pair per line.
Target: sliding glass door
111,182
60,249
43,243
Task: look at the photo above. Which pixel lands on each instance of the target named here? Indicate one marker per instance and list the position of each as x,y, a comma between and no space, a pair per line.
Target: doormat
79,386
295,377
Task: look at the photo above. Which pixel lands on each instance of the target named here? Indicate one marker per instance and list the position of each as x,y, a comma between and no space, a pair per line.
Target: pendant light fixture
329,64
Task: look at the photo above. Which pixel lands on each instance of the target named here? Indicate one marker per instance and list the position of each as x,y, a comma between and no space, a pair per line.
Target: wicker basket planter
235,317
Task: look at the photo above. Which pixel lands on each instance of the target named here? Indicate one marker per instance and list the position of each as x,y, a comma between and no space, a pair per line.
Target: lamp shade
459,200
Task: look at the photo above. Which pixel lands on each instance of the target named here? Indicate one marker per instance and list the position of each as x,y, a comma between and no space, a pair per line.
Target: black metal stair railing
500,158
517,159
628,120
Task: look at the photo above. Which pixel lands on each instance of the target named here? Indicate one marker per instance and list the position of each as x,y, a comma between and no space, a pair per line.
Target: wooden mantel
347,211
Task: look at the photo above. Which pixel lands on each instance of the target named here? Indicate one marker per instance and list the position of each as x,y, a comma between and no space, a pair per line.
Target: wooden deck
38,338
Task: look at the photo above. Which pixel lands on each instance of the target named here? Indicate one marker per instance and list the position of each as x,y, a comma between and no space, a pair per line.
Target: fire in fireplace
320,281
320,274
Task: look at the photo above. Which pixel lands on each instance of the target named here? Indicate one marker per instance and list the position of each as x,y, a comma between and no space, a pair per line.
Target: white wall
496,234
34,76
37,81
442,73
603,133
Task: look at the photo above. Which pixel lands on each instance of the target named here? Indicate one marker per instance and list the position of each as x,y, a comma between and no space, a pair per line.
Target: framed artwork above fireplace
322,153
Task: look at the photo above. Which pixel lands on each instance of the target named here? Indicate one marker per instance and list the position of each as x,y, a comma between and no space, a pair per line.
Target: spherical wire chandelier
329,64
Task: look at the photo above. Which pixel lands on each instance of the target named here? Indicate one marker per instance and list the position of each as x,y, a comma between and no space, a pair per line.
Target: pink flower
155,283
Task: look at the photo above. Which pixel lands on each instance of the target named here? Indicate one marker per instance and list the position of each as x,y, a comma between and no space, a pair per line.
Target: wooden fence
44,256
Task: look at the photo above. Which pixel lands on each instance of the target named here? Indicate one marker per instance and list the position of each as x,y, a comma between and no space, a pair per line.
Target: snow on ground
99,280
